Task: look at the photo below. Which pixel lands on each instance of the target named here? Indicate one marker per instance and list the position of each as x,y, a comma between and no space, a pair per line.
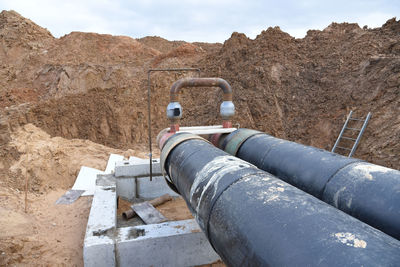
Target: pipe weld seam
334,174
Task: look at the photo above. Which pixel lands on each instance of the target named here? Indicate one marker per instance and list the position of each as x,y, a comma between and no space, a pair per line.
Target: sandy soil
47,234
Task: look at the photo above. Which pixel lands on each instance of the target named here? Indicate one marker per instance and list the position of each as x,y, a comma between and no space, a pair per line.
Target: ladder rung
345,148
354,129
357,119
348,138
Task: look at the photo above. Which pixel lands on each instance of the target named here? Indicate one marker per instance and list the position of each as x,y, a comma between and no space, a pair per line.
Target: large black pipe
366,191
252,218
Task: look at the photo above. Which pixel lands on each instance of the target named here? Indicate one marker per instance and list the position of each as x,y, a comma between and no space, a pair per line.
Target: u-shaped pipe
174,109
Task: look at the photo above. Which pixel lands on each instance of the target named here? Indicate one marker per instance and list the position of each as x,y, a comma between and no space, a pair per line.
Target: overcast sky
199,20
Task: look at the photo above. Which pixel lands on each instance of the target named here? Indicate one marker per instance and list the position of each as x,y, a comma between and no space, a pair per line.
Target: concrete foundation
175,243
178,243
99,244
133,179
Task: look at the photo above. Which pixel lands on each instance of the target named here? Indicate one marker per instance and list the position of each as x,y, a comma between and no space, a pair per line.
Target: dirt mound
17,32
302,89
185,50
93,48
53,162
21,42
79,62
165,46
160,44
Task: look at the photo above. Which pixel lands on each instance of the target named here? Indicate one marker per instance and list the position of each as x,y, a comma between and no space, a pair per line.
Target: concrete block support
99,245
151,189
137,168
175,243
178,243
126,188
133,179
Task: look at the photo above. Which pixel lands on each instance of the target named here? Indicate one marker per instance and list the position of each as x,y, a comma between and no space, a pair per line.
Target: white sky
199,20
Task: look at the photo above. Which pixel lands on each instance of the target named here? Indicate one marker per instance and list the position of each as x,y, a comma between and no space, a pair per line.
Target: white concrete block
112,160
86,180
137,160
131,187
178,243
99,252
152,189
137,168
99,245
126,187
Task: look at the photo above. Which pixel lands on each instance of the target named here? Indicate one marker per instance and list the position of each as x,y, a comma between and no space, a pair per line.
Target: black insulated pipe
370,193
252,218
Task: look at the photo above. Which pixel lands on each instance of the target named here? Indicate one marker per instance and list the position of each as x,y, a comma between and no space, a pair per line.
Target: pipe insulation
368,192
252,218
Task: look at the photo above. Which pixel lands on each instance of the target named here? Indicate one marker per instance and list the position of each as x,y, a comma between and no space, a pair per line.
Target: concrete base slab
178,243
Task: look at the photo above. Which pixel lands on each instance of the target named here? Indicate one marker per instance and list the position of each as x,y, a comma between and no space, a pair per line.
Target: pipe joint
233,141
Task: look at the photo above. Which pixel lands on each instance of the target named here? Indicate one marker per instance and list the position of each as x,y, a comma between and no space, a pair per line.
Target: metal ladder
353,130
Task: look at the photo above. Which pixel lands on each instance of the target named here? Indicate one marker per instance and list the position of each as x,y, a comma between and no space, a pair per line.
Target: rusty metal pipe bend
174,109
200,82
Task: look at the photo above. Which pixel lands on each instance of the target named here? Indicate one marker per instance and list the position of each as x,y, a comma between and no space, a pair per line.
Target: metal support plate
148,213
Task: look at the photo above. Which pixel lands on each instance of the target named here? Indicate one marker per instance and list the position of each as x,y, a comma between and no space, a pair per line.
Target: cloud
373,20
199,20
